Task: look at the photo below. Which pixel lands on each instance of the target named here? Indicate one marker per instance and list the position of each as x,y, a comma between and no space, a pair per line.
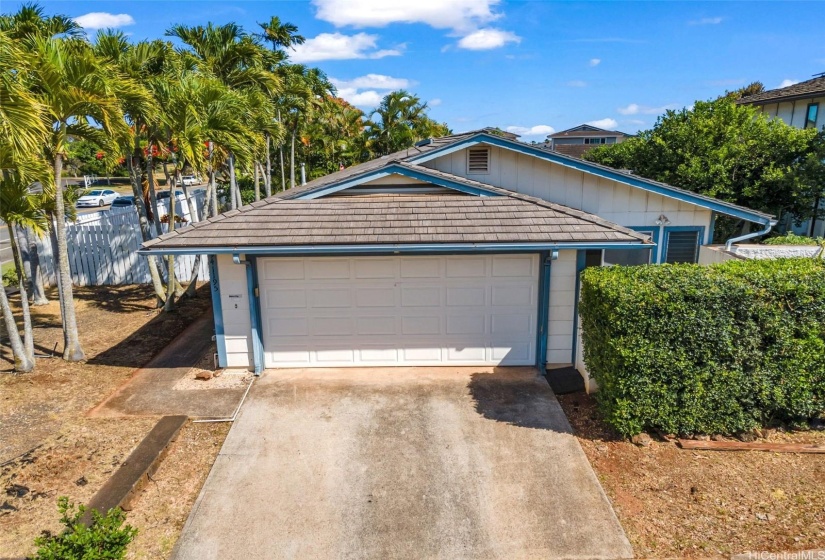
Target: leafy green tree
399,121
727,151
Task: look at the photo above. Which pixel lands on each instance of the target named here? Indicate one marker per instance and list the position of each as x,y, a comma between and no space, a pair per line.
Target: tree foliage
727,151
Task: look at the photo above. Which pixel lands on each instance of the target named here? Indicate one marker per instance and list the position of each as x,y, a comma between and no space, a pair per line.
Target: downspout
751,235
254,319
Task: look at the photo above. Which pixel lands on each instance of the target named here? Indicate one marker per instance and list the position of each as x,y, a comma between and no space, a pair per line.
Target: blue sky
526,66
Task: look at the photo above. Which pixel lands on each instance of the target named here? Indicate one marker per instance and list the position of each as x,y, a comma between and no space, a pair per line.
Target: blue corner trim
601,171
395,169
669,229
217,310
545,262
711,229
581,260
254,314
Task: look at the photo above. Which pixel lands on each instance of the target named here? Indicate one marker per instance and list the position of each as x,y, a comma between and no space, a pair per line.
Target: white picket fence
103,247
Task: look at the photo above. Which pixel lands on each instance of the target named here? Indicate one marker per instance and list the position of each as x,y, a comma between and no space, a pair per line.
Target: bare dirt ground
706,504
50,448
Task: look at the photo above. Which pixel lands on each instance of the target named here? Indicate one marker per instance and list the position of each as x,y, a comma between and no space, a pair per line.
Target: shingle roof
808,88
396,219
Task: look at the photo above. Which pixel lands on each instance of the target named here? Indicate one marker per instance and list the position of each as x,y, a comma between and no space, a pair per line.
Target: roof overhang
602,171
782,99
430,248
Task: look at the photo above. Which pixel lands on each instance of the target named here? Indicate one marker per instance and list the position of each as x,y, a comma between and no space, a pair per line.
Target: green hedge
690,349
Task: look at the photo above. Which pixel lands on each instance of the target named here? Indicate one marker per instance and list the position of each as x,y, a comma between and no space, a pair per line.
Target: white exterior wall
793,112
235,308
621,204
562,308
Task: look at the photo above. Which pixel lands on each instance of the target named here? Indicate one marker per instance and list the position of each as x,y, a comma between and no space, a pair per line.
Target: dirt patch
48,446
679,503
161,509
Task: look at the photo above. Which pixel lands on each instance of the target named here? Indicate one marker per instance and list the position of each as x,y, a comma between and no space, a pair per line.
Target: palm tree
402,121
76,87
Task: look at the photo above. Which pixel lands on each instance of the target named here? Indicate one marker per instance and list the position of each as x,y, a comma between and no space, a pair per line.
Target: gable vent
478,160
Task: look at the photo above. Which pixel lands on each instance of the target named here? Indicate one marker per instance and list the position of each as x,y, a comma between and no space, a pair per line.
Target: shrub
706,349
791,238
105,538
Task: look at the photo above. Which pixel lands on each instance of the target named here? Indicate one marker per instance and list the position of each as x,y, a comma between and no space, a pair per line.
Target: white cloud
368,90
103,20
538,130
458,15
337,46
576,83
488,38
635,109
595,61
434,102
707,21
607,123
787,83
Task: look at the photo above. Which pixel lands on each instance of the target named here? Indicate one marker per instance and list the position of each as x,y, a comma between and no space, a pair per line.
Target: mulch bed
674,502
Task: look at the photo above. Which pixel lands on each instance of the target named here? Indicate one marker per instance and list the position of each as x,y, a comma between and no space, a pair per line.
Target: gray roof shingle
808,88
397,219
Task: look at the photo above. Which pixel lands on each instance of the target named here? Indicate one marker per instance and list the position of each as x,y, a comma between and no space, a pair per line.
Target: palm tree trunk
35,271
233,186
292,162
283,171
153,199
28,334
257,181
268,180
170,259
145,229
72,351
22,363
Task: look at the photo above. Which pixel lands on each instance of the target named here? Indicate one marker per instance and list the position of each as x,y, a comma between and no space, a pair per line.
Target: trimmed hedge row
689,349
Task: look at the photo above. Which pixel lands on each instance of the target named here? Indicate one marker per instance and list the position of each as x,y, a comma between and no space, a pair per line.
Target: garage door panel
420,267
472,267
510,295
375,297
285,299
375,268
322,298
467,324
521,266
474,296
376,325
328,269
383,311
428,296
421,325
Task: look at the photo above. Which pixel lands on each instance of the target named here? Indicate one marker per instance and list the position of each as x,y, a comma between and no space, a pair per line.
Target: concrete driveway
401,463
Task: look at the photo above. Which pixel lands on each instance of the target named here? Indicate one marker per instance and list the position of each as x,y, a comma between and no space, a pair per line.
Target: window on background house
811,115
595,140
682,247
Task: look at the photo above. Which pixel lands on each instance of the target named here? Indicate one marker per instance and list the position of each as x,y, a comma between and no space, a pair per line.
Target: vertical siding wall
611,200
235,309
562,308
794,112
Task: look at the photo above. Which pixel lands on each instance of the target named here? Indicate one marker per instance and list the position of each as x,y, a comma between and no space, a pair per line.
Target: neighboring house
801,105
583,138
463,250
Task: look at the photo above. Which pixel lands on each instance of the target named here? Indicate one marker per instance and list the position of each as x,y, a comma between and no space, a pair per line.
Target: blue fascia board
606,173
431,248
395,169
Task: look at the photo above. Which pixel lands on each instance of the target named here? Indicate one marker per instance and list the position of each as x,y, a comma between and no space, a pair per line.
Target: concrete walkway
401,463
150,391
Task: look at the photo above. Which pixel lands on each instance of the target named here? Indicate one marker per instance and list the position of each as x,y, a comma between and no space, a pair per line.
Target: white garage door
394,311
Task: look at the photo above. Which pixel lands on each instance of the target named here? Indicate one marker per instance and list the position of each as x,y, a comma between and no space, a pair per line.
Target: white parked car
190,180
97,197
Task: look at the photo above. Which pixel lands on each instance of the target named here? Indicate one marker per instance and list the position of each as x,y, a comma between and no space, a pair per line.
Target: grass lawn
706,504
50,448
